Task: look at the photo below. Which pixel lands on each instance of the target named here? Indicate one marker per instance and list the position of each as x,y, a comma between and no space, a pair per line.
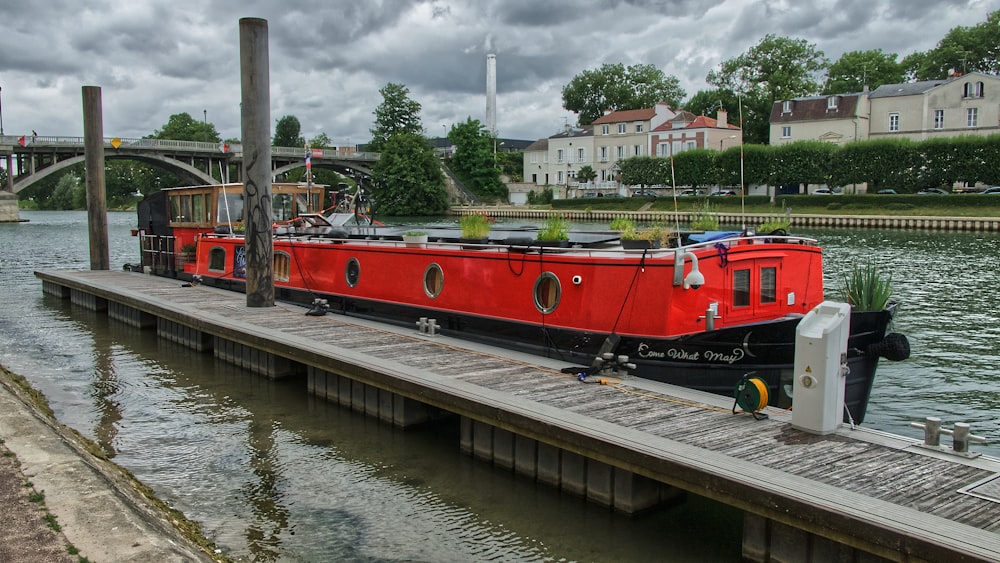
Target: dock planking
870,491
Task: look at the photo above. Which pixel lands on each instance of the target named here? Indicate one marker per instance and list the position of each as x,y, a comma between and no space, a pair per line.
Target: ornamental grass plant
866,288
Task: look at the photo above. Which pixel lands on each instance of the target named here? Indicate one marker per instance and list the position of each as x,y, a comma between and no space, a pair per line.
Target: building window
638,128
559,177
786,106
972,117
604,154
604,129
972,90
581,155
690,145
560,158
663,149
636,150
831,102
621,128
621,152
786,131
534,158
893,122
939,119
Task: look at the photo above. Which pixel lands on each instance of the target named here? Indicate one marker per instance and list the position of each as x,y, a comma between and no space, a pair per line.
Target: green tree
586,173
69,194
777,68
963,49
857,69
321,141
408,178
396,114
288,132
475,159
617,87
183,127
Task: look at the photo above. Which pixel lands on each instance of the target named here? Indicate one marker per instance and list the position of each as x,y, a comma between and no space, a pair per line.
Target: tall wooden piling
93,149
256,125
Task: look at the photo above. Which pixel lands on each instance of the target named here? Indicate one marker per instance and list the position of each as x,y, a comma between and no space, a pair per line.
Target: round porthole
433,280
352,272
547,292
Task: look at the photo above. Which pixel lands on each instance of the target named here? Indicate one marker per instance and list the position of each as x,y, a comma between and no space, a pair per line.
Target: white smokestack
491,94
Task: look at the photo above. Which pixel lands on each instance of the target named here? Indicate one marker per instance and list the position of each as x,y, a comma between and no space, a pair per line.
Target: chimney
723,117
491,94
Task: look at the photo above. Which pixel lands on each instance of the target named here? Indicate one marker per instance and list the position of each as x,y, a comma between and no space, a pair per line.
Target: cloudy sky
329,58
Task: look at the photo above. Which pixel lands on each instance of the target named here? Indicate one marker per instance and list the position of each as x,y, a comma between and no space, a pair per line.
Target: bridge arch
192,174
341,167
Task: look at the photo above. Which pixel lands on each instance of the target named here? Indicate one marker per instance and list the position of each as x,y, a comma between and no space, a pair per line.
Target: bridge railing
48,141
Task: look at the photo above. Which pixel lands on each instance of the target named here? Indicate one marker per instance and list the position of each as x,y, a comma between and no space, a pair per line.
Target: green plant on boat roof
556,228
475,225
622,223
768,227
866,288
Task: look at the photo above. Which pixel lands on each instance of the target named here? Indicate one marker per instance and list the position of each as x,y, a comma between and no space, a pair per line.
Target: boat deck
855,489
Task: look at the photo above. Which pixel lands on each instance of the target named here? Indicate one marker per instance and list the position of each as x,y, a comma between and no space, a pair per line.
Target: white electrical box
820,368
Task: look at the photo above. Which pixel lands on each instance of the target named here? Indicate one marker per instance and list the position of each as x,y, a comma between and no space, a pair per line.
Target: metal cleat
961,436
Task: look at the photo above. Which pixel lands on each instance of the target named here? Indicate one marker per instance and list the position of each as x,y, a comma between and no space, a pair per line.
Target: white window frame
636,150
690,145
786,131
604,129
831,102
638,127
939,119
581,154
663,149
894,121
560,156
604,154
622,128
972,117
621,152
786,106
534,158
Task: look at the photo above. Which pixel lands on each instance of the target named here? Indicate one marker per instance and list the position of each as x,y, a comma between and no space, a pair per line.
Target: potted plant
622,224
555,232
186,255
475,228
415,239
634,239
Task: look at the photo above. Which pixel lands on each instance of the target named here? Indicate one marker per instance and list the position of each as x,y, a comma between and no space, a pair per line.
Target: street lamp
205,116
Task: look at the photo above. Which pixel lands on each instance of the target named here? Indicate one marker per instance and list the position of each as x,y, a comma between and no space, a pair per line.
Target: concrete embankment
731,219
62,501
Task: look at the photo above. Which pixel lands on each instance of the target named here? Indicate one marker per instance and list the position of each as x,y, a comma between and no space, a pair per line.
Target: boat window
282,266
283,208
230,207
352,272
741,288
199,212
433,280
768,285
217,259
547,292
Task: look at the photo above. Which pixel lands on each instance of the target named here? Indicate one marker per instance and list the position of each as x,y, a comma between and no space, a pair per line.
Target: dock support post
93,150
256,128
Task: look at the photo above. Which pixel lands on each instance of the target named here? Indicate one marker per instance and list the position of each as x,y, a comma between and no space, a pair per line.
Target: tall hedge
900,164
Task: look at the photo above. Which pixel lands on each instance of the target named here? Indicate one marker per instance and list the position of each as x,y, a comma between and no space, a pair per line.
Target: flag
309,164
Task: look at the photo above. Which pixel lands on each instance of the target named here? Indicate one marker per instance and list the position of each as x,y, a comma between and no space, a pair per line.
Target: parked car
928,191
887,191
644,193
992,191
687,193
822,191
722,193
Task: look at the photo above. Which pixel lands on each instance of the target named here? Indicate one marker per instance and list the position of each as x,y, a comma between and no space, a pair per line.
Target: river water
275,475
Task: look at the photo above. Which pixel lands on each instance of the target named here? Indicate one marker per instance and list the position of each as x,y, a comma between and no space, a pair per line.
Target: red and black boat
700,313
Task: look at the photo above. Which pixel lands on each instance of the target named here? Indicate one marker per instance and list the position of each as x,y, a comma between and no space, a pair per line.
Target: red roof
644,114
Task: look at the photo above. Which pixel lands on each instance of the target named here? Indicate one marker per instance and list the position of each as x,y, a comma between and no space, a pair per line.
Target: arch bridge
30,158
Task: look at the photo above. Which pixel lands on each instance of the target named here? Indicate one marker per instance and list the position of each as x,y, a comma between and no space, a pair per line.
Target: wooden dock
855,495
